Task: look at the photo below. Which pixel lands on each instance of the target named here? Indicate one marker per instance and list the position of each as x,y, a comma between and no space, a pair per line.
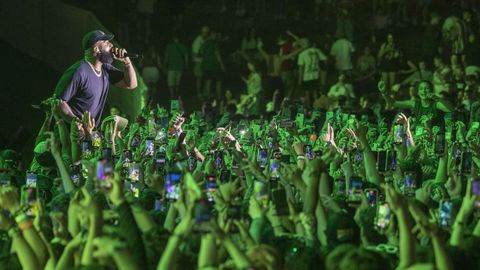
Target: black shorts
312,85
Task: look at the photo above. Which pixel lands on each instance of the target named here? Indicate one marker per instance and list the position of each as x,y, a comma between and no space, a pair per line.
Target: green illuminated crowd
377,170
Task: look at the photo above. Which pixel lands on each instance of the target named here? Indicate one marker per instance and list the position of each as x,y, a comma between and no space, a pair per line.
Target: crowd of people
328,160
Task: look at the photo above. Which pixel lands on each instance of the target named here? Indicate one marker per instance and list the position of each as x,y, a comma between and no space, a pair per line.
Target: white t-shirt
342,51
310,60
196,46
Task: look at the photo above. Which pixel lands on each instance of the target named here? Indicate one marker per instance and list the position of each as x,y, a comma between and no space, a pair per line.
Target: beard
105,57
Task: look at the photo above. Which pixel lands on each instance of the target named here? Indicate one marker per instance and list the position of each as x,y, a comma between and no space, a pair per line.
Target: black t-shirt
84,90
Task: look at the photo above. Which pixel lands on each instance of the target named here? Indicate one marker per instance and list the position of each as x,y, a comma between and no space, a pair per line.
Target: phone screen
87,152
445,213
97,138
225,176
107,152
31,179
383,216
149,147
340,187
4,179
135,142
134,172
172,186
382,161
275,168
75,172
392,160
160,158
211,187
262,158
398,134
410,184
309,152
203,214
467,162
476,186
372,197
355,191
218,159
440,144
30,195
104,173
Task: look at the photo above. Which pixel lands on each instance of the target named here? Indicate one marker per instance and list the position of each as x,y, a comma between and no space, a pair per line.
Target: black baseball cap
92,37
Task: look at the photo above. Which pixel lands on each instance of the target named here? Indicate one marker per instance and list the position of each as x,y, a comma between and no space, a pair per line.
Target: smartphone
218,159
279,199
30,199
134,172
149,147
97,137
211,186
309,151
31,179
358,156
160,205
466,163
161,135
203,211
262,157
285,123
242,130
275,168
398,134
440,144
340,187
383,217
75,173
135,141
160,159
4,179
410,184
134,189
476,186
172,186
372,196
104,173
87,151
445,213
355,191
261,191
225,176
382,161
391,160
107,153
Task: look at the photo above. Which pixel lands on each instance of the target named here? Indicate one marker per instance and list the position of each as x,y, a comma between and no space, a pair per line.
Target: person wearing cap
84,85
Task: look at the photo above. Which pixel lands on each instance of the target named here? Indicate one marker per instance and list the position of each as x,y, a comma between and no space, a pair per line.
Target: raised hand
88,123
9,198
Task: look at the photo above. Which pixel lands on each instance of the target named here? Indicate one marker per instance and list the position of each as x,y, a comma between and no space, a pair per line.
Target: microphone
133,55
129,55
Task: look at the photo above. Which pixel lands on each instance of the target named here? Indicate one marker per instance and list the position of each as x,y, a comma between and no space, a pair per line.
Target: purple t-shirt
84,90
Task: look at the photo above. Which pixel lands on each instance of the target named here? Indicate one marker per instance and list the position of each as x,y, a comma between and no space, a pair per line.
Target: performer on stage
84,85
